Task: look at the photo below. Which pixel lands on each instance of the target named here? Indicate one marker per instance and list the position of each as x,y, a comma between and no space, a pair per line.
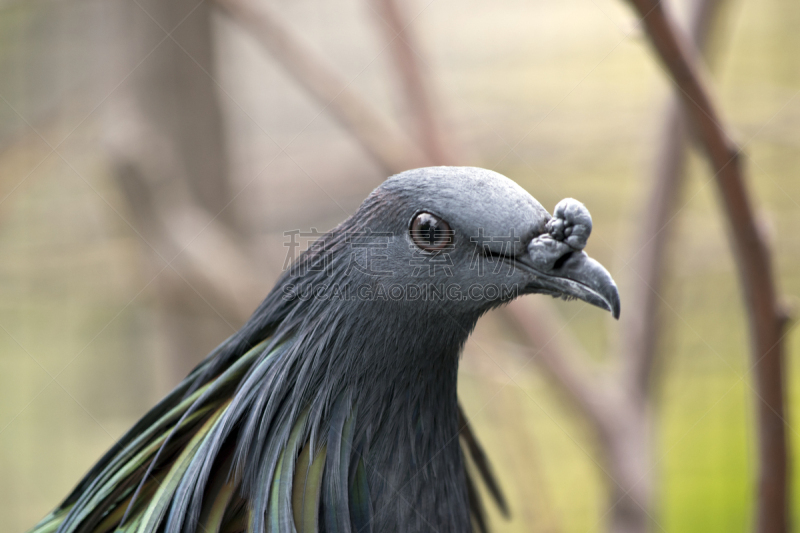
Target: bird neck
405,397
403,376
395,364
396,346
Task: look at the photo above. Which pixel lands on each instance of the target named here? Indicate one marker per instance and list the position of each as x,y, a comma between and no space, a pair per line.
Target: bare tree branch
202,252
641,334
169,97
559,357
164,131
766,317
388,145
405,50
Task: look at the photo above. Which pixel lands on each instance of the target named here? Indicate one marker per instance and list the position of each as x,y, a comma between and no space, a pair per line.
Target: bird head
471,239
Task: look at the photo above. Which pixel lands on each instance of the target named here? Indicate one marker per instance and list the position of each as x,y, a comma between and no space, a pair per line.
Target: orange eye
431,233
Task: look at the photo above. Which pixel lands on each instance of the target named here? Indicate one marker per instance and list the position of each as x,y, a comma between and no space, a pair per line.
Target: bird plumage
334,409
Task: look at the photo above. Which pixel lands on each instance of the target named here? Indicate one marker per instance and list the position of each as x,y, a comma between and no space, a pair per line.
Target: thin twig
387,144
411,69
767,319
559,356
641,332
196,246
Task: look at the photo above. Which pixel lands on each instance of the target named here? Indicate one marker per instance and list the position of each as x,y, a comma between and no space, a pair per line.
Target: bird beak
577,275
559,265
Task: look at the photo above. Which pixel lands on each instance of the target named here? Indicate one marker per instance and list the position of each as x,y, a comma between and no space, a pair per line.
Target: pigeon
334,408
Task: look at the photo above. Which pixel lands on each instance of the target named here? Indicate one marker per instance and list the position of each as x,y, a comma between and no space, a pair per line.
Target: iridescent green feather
284,475
306,490
153,515
360,502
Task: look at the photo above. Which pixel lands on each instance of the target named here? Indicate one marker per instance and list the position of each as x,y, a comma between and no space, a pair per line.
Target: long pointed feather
162,419
481,461
189,496
274,497
104,494
105,481
218,495
477,512
340,443
147,421
284,514
212,522
111,520
298,487
154,513
306,489
49,523
360,502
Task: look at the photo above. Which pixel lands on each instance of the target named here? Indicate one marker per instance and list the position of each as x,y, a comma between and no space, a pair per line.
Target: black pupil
430,230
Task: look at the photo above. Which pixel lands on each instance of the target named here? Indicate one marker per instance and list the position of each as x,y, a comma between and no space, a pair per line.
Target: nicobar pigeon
334,408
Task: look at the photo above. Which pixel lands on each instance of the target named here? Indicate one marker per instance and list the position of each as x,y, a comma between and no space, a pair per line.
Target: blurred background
153,155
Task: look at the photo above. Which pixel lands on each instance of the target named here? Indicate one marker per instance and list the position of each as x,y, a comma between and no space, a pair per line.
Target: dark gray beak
561,267
578,275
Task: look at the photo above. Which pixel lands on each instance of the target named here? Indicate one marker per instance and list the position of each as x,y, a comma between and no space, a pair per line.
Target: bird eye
431,233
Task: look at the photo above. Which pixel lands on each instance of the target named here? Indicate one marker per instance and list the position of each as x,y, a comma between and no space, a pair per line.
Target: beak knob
559,256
